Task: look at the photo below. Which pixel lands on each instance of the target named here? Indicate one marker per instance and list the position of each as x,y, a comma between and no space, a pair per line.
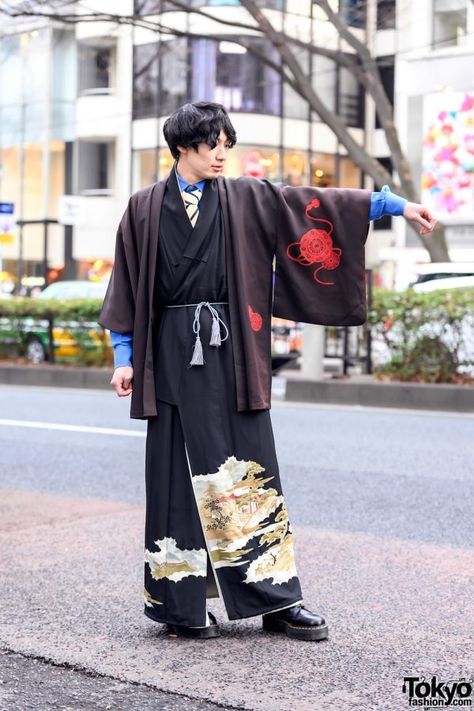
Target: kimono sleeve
320,255
118,309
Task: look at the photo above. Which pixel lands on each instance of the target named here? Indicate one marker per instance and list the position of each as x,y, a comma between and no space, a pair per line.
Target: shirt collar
184,183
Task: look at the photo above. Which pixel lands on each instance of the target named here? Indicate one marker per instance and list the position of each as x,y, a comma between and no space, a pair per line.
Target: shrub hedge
427,336
424,337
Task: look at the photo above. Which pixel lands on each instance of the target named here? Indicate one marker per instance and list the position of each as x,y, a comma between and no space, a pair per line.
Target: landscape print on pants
246,522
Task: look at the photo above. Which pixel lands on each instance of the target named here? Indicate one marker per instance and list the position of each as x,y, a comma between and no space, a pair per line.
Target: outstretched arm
387,203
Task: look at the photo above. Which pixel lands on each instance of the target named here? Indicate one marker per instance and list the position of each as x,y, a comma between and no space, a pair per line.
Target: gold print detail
175,563
235,505
149,600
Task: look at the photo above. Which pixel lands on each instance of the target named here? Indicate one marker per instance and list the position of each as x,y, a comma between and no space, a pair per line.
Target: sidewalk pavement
290,385
71,589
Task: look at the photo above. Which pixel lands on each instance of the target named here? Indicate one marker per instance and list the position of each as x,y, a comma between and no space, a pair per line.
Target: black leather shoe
208,632
296,622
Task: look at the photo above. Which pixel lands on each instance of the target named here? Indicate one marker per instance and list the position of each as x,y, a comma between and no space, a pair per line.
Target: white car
443,275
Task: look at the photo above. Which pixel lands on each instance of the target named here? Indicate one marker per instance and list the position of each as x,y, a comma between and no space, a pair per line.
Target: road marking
72,428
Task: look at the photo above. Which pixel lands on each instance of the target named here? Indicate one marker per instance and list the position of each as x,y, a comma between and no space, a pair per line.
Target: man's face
206,162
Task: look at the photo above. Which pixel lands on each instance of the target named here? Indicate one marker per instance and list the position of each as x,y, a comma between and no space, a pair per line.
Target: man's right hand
122,380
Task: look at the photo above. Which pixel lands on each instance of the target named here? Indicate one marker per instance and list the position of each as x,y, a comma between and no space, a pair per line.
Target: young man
189,304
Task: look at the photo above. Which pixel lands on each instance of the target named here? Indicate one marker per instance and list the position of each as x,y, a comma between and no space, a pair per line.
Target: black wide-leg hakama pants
216,518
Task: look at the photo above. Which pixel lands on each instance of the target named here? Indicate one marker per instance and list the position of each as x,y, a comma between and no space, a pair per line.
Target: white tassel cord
215,340
198,357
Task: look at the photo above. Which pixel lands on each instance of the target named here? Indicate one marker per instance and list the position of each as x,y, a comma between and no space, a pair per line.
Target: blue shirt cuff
386,203
123,348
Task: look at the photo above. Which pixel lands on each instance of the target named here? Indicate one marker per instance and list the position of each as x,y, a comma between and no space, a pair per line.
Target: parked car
450,282
286,335
443,275
66,334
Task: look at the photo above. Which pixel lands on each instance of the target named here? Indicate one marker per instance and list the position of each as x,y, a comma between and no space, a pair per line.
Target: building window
352,12
385,222
145,80
228,73
96,64
386,67
324,81
295,168
254,161
295,105
152,97
386,14
449,22
351,99
323,170
350,173
145,168
142,8
95,167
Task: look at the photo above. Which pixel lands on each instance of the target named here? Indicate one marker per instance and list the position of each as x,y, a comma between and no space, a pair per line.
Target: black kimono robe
216,519
317,236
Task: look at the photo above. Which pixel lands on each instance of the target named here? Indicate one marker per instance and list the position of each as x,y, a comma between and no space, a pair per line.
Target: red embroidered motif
316,246
256,321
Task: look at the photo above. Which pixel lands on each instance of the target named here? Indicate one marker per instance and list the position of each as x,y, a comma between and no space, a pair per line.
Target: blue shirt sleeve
123,348
386,203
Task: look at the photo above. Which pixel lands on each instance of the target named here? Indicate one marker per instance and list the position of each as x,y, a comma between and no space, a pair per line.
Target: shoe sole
193,633
310,634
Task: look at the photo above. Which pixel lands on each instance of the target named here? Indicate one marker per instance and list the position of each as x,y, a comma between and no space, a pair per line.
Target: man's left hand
420,215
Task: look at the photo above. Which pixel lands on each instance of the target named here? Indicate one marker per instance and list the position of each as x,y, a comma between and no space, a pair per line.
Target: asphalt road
381,502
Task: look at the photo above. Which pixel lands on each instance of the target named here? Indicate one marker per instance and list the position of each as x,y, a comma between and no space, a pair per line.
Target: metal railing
351,345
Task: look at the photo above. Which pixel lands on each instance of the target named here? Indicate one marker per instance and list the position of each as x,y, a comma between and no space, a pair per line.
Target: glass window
295,168
166,161
229,74
254,161
144,168
151,7
174,75
150,96
156,7
323,170
95,167
95,68
449,22
324,81
350,173
351,99
353,12
270,4
64,84
386,14
385,223
386,67
145,80
294,105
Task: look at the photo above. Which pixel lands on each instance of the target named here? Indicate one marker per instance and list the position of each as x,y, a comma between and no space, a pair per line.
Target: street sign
69,209
7,222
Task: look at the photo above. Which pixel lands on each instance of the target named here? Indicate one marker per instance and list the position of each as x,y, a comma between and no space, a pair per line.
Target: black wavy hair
200,122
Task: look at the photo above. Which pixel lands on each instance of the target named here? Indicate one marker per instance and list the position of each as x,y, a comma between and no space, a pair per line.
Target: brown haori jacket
315,237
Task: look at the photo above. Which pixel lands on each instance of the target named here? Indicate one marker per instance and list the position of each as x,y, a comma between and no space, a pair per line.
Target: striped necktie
191,196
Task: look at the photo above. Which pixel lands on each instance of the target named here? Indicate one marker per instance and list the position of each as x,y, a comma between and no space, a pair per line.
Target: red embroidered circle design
334,259
315,246
256,321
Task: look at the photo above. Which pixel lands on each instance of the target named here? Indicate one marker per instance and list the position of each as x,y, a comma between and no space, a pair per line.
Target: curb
55,376
419,396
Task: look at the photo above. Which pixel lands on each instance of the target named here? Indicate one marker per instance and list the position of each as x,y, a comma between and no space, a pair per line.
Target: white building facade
82,109
434,112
